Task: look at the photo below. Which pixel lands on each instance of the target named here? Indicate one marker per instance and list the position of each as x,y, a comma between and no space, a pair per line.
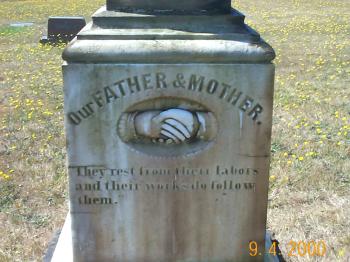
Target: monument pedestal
168,123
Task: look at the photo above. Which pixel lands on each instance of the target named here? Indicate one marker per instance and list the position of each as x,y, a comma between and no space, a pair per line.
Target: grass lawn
309,197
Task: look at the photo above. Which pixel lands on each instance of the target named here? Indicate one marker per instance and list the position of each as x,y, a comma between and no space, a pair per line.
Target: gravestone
62,29
168,110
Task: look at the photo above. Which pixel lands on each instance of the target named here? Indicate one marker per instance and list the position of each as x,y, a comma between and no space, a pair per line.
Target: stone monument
168,109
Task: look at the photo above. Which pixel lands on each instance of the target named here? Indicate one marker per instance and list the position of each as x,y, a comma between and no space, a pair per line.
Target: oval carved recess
167,127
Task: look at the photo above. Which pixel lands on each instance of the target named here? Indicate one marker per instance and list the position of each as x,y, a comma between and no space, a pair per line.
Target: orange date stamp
294,248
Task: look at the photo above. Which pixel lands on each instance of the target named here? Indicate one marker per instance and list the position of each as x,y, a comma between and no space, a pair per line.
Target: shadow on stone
269,257
51,247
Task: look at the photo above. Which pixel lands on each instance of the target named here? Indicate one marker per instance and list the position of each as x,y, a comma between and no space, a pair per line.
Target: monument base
63,247
63,250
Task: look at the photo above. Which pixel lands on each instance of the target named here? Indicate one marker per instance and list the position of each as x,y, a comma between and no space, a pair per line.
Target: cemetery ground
309,197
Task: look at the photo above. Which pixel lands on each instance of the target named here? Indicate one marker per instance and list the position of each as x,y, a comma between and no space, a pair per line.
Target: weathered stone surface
168,123
201,200
64,251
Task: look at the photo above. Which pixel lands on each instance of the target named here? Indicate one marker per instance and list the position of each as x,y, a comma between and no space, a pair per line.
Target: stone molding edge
167,51
110,44
182,6
103,13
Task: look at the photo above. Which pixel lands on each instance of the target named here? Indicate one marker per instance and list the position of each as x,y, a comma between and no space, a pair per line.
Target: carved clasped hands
171,126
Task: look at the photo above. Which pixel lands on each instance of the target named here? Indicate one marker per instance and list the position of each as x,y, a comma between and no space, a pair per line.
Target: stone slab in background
62,29
21,24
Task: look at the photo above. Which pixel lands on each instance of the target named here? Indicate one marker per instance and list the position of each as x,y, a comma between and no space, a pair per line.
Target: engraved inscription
157,82
95,184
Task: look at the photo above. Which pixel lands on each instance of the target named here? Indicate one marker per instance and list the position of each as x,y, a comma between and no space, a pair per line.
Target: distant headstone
21,24
168,123
62,29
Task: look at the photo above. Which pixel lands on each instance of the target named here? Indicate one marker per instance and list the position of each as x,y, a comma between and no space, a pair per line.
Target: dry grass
309,194
310,169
